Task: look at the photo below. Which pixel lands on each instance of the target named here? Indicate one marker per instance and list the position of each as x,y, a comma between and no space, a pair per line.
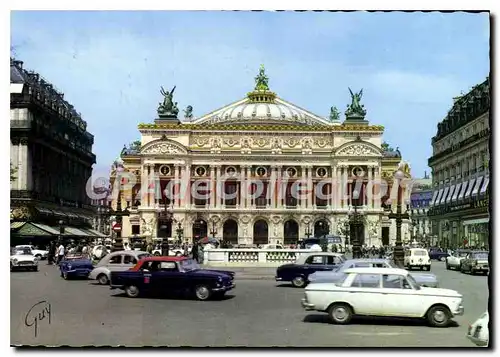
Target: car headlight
219,278
14,261
69,266
474,262
35,261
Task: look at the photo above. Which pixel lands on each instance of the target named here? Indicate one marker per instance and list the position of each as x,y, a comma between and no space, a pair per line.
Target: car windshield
462,254
480,255
189,265
419,252
413,282
23,251
142,256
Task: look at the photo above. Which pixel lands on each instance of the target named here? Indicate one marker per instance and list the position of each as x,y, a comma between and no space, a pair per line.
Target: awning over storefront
28,229
477,186
440,193
485,185
71,215
59,213
475,221
49,229
452,191
434,195
75,232
462,192
443,198
469,188
96,233
457,191
17,225
44,210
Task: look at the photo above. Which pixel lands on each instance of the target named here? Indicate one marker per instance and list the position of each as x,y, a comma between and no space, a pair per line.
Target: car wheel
438,316
202,292
428,268
443,259
132,291
178,254
299,282
157,254
340,314
102,279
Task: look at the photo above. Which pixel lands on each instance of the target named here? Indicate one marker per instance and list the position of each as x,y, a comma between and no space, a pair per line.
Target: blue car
75,265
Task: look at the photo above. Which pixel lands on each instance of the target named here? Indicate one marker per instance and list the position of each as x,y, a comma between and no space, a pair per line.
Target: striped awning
95,233
477,186
438,197
450,195
475,221
443,198
457,191
462,192
17,225
485,185
470,187
433,198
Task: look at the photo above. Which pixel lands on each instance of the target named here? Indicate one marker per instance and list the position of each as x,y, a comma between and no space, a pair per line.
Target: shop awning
440,193
469,188
450,195
49,229
44,210
31,230
485,185
434,195
457,191
71,215
59,213
93,233
476,221
17,225
477,186
462,192
443,198
75,232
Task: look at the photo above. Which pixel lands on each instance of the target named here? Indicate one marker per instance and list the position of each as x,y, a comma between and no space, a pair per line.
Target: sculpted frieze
358,150
163,148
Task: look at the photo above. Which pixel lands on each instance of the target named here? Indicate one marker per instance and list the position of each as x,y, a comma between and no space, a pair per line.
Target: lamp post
399,253
179,232
355,219
346,231
61,229
119,213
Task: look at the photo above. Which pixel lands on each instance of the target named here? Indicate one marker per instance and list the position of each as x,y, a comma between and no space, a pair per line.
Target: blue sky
110,65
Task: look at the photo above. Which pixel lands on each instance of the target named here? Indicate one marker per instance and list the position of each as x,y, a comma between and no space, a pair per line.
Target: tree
13,171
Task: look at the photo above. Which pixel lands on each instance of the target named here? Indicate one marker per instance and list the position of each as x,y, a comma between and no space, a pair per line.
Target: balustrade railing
252,256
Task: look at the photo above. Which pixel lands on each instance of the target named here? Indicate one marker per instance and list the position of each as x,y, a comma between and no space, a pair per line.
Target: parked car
417,258
99,251
453,260
479,332
116,261
476,262
75,265
382,292
298,272
272,246
162,275
423,279
23,259
437,254
38,253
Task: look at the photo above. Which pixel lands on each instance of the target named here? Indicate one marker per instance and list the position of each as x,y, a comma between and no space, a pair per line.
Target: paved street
259,312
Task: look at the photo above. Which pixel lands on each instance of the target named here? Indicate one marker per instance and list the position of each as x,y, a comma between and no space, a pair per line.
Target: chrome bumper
459,311
306,305
278,278
224,288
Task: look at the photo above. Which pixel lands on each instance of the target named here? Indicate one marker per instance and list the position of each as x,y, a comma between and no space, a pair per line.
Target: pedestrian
194,251
60,253
164,248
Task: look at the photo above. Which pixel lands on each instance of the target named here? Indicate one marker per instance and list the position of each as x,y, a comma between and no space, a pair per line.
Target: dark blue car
75,265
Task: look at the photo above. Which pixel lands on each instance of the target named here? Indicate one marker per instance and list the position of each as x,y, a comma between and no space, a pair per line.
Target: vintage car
437,254
23,259
116,261
382,292
75,265
479,332
38,253
423,279
453,261
476,262
298,272
417,258
163,275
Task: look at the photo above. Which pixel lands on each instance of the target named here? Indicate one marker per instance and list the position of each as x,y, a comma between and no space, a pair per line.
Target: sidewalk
247,273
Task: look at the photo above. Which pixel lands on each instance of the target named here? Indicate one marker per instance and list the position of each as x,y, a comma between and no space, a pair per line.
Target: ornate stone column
376,201
273,187
212,186
310,190
303,177
242,198
157,189
332,201
186,191
220,189
279,186
176,186
345,188
248,180
369,195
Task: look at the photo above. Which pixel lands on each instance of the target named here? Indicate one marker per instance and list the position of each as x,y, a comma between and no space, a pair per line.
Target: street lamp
61,229
356,220
399,252
118,245
347,232
214,229
179,232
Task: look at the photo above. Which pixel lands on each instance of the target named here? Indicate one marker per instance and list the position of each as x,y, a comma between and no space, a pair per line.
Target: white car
417,258
116,261
272,246
382,292
40,254
454,259
478,332
23,259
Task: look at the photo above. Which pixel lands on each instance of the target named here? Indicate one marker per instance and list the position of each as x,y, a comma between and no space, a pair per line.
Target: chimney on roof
18,64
